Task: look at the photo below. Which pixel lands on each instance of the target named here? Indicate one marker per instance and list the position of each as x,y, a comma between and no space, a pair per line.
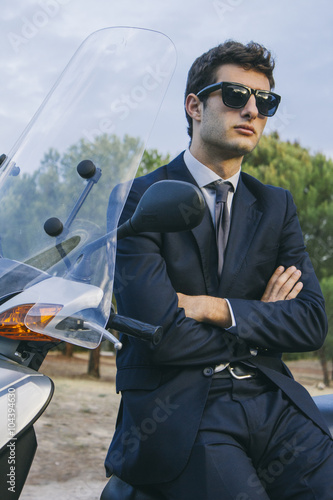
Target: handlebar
135,328
132,327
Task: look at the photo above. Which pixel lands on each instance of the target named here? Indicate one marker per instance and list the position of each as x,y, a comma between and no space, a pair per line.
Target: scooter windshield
64,184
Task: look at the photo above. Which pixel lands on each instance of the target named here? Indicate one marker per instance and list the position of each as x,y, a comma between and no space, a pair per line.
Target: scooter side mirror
167,206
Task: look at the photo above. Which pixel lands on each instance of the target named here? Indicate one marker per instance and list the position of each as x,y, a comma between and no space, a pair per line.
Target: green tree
309,177
151,160
51,188
109,150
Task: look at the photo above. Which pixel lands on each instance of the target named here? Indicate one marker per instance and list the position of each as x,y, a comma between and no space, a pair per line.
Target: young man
212,412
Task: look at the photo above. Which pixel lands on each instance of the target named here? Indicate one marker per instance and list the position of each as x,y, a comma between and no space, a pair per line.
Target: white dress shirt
203,176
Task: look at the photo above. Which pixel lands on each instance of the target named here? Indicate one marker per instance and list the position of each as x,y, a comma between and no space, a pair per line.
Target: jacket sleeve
291,325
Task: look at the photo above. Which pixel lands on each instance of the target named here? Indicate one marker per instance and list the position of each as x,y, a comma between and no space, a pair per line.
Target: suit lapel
245,218
206,241
204,234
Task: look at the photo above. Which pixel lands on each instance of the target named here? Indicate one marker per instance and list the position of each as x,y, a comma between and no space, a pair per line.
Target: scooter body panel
24,395
325,405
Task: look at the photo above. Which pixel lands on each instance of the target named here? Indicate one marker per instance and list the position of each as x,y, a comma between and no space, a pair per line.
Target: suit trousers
254,444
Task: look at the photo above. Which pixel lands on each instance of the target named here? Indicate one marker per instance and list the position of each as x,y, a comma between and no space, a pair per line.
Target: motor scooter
25,393
62,190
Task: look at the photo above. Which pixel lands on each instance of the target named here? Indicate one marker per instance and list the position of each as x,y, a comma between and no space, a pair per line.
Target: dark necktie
222,218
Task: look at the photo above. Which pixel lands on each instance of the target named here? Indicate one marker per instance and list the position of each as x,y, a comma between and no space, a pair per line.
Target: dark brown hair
203,71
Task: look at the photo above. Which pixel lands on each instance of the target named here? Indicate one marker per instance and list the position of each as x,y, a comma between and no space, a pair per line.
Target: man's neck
224,167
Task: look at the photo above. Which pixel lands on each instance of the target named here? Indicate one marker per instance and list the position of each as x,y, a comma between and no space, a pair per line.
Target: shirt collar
204,175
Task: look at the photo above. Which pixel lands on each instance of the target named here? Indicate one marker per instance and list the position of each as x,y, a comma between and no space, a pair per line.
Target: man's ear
193,106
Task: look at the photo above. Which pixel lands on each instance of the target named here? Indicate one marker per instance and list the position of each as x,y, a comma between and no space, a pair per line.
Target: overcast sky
38,37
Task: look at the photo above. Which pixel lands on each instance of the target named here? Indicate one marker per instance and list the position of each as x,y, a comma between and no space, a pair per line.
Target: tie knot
222,189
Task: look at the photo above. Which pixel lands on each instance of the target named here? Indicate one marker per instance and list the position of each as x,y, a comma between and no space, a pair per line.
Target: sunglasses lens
235,96
267,103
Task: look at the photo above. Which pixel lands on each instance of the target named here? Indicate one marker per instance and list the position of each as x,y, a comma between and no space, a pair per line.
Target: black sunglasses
236,95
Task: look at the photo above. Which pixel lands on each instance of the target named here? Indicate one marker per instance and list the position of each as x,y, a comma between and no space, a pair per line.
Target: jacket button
208,372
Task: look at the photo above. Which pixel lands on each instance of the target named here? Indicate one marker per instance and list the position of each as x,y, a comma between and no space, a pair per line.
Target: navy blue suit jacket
165,387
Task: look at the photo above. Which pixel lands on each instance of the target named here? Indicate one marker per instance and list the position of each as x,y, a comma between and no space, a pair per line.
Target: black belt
236,370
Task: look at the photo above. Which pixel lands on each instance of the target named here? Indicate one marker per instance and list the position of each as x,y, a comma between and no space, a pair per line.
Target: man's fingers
270,285
295,291
282,284
285,282
292,277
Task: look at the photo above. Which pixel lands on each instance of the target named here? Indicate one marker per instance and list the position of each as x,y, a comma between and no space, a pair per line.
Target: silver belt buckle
221,367
238,377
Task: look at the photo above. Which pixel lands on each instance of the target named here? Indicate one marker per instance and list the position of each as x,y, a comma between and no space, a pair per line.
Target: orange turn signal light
12,321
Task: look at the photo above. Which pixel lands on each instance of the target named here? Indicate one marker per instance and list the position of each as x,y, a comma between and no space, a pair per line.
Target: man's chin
244,148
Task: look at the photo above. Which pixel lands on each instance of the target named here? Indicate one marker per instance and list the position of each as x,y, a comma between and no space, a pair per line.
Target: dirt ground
74,432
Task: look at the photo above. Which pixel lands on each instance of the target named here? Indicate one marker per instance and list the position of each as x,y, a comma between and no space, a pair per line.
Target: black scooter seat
116,489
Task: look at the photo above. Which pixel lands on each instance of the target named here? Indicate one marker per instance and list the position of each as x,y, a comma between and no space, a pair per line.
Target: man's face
227,131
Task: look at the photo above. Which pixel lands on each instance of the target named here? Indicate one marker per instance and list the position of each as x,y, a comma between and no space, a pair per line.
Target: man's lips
245,129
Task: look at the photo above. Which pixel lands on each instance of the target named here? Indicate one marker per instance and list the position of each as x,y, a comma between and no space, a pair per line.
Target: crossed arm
283,285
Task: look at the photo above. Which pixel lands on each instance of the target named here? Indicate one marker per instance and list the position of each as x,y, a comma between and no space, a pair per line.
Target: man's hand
206,309
283,285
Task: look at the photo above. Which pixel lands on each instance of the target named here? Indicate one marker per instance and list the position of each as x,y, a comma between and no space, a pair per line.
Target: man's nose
250,109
